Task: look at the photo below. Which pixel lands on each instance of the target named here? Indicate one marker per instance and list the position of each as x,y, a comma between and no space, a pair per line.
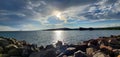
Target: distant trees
86,28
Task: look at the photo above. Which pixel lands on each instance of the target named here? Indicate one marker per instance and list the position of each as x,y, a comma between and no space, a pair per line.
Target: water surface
50,37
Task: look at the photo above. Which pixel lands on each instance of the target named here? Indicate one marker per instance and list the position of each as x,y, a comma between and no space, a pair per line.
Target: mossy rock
15,52
4,55
0,55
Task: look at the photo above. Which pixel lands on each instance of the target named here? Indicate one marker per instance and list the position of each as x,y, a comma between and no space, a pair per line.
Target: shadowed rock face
4,42
47,53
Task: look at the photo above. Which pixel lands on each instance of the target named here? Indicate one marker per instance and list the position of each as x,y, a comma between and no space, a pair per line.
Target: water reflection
58,35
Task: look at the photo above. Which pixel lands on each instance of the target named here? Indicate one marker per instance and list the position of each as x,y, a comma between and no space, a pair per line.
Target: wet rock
59,43
41,48
69,51
49,47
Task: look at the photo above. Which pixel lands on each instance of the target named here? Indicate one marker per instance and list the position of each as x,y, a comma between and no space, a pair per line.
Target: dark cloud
63,4
12,5
111,1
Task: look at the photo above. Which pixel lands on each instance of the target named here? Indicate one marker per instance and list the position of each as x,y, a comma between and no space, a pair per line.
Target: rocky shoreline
100,47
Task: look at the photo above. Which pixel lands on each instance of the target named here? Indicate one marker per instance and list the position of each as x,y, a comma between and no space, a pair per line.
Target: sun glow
59,15
58,36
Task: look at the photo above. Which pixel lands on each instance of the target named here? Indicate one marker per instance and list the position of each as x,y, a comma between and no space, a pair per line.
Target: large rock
100,54
4,55
11,46
79,54
50,53
69,51
90,51
4,42
15,52
47,53
1,50
118,56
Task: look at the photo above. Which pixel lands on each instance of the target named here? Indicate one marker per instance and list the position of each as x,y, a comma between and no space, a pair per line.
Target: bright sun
59,15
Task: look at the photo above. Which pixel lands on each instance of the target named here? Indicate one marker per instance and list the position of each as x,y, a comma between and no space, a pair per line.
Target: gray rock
47,53
79,54
4,42
15,52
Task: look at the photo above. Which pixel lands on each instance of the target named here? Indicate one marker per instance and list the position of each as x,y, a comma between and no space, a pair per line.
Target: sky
49,14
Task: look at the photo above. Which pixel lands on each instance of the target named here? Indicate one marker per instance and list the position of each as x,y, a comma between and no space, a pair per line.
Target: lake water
50,37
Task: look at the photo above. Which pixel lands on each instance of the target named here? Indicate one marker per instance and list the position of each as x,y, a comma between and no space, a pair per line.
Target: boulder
38,54
69,51
11,46
90,51
118,56
100,54
79,54
1,50
4,42
15,52
4,55
1,55
50,53
45,53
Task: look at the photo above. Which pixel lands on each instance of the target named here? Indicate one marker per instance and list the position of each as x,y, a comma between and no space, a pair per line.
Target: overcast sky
46,14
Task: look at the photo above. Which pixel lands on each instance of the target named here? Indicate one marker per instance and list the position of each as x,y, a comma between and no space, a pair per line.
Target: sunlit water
50,37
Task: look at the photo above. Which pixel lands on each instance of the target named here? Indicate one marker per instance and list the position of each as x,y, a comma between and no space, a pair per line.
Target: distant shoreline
81,28
59,30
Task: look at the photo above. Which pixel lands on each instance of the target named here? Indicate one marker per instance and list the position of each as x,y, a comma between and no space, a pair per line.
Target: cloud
7,28
28,27
54,20
102,10
64,4
16,13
